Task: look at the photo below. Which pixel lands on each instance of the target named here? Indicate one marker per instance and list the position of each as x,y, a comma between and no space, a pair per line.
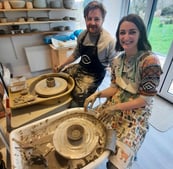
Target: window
158,17
161,32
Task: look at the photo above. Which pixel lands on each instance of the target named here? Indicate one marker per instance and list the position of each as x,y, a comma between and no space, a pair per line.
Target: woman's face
94,21
129,36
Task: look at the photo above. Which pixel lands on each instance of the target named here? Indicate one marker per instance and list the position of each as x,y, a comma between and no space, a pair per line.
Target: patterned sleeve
150,75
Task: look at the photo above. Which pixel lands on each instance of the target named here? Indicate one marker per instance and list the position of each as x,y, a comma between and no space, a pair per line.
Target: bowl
75,132
17,4
55,4
68,4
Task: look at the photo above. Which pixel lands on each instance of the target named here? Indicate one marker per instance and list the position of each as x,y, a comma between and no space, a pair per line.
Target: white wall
113,8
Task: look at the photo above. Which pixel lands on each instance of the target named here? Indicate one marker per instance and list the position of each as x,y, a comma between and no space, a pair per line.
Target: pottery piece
6,5
21,19
1,5
55,4
2,32
67,28
29,5
68,4
17,4
50,81
30,19
60,28
39,3
3,20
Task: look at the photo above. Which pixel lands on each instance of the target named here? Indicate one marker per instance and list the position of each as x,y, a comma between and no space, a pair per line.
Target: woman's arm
132,104
108,92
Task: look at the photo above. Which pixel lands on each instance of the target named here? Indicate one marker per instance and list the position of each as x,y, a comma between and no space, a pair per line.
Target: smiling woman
135,76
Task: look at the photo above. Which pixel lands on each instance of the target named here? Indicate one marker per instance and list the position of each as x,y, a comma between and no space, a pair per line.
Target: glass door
166,84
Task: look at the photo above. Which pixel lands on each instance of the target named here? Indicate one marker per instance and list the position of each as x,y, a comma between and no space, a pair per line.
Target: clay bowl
75,133
60,28
68,4
17,4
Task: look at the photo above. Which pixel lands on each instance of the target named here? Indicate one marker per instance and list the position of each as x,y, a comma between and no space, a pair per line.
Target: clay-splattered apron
131,125
88,74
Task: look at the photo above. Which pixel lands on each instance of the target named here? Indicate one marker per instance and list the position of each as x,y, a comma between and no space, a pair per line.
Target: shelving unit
30,13
37,9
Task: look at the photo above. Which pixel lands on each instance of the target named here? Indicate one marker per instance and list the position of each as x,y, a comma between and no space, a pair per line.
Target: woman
135,76
95,48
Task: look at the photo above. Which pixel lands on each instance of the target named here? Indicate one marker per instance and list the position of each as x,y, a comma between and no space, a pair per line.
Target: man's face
94,21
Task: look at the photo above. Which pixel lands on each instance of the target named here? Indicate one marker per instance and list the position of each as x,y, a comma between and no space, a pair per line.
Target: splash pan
38,93
43,144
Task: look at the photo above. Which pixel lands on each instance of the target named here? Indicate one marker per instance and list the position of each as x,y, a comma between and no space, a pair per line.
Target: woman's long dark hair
143,43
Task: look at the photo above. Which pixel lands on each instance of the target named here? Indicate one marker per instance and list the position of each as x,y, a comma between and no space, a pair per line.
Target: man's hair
95,5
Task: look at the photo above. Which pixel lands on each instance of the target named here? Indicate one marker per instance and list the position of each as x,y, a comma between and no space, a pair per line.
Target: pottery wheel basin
73,136
81,135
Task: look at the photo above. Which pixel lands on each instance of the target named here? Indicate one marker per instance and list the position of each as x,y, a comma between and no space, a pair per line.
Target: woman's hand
90,100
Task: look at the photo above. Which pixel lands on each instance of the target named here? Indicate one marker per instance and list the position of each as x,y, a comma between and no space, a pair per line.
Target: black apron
88,74
89,59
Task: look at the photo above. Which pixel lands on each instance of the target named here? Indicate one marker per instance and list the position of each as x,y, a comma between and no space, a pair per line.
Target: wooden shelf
48,21
33,33
34,22
36,9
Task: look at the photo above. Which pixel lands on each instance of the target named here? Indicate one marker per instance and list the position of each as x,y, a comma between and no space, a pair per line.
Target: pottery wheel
91,134
42,89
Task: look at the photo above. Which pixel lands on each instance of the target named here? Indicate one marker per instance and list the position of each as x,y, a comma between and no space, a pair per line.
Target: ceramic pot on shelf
68,4
39,4
55,4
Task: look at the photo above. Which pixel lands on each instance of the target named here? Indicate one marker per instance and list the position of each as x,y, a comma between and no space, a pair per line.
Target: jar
3,20
29,5
68,4
55,4
39,4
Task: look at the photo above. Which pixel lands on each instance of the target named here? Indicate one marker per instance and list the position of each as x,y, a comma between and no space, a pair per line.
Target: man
96,49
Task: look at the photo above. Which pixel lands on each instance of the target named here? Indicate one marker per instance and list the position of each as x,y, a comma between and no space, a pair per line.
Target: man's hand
59,68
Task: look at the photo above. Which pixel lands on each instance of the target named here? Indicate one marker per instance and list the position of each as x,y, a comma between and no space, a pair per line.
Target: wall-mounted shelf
48,24
34,22
36,9
35,33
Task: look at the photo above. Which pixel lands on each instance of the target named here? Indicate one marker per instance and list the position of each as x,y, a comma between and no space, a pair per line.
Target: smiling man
96,49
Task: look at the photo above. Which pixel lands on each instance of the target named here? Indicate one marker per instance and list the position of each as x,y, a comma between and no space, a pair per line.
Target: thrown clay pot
40,4
68,4
55,4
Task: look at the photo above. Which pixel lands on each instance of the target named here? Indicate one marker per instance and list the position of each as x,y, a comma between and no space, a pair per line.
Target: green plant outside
160,36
